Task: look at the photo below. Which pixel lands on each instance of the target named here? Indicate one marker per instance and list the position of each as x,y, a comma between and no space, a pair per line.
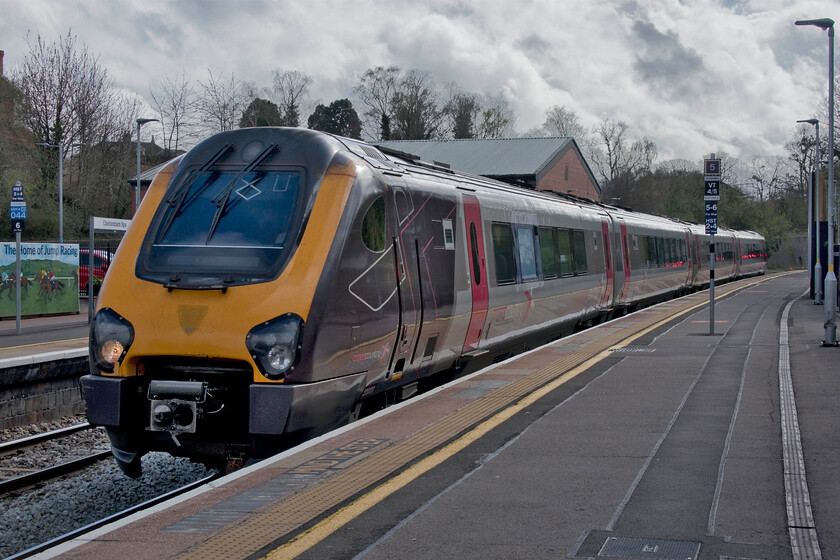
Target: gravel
33,516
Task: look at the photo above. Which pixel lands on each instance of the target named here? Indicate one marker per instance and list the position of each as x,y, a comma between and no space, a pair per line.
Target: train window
373,226
579,248
527,252
474,251
564,251
503,254
547,251
660,251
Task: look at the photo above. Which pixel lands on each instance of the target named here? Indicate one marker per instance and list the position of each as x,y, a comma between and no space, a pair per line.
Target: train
278,282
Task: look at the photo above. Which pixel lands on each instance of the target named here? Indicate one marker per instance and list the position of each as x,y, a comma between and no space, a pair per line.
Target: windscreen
227,221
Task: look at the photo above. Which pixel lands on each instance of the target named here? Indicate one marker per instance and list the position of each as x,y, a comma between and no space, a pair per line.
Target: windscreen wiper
178,200
222,198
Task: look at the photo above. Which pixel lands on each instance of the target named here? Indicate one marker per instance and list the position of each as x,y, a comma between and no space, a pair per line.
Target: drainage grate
619,547
634,350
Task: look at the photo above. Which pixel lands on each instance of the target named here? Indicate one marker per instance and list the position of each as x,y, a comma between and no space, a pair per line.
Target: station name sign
110,224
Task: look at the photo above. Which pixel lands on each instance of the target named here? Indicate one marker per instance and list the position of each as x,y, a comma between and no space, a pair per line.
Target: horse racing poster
49,282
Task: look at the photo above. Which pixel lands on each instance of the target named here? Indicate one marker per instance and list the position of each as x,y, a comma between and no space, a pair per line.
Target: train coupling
174,406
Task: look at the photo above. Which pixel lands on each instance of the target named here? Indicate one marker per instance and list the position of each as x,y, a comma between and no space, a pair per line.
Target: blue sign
17,211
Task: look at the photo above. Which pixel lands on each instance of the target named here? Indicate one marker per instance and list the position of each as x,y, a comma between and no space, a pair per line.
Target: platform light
830,309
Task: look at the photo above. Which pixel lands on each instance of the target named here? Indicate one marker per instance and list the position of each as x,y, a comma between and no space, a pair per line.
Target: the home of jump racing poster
49,281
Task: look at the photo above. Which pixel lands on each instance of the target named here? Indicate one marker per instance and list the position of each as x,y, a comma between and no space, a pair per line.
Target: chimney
1,62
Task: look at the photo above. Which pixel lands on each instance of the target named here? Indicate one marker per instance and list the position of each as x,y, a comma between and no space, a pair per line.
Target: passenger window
373,226
503,254
579,252
527,252
564,250
474,250
549,262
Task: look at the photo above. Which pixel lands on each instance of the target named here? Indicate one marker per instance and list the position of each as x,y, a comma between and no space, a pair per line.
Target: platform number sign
711,167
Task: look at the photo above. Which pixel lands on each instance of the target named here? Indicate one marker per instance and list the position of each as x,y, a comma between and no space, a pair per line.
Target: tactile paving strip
268,527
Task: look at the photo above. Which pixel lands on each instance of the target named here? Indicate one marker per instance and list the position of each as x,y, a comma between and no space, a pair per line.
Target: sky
695,76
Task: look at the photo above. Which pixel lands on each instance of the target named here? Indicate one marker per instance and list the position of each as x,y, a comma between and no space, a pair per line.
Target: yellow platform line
260,529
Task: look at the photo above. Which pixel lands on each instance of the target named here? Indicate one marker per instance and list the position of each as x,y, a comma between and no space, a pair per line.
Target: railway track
15,478
111,518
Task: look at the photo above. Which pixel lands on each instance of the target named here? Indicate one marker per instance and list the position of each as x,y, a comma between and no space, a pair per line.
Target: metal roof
494,157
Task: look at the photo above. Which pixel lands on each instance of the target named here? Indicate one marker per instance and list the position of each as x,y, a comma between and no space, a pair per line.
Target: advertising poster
49,278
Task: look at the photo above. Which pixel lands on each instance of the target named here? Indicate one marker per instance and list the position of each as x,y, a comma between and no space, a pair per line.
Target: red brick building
552,163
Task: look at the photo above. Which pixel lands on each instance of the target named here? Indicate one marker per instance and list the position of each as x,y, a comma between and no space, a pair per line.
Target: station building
549,163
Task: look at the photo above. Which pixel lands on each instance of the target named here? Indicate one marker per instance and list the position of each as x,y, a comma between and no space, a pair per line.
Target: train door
690,272
406,263
608,291
478,272
623,258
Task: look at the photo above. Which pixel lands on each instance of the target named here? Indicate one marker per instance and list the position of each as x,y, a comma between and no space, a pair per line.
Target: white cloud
695,77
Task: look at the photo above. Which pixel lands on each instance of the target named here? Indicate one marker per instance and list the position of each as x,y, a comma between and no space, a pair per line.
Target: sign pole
17,213
17,282
711,168
712,285
90,271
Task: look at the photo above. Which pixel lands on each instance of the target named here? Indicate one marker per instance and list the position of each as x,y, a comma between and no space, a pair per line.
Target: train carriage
278,282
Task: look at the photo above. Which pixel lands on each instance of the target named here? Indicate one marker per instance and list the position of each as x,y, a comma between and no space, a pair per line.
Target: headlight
275,345
110,338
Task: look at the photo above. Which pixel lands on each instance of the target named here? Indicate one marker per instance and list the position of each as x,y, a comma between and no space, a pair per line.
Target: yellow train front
200,345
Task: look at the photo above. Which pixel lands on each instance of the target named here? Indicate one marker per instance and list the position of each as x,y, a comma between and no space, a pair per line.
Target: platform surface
645,437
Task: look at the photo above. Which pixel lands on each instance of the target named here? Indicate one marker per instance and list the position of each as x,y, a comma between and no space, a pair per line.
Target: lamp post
60,147
140,122
830,310
816,273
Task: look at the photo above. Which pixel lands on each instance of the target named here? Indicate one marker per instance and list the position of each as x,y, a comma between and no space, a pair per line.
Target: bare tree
461,112
415,108
496,119
560,121
617,155
222,101
68,99
174,101
765,176
611,159
800,158
64,90
290,89
376,90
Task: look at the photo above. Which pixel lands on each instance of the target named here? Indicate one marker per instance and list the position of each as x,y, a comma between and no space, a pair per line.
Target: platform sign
711,217
711,167
712,191
17,208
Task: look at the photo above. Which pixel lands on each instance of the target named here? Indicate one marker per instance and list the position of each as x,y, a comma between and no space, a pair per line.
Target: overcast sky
696,76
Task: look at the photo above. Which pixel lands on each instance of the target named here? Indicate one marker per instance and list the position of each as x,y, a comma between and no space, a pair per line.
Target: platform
645,437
